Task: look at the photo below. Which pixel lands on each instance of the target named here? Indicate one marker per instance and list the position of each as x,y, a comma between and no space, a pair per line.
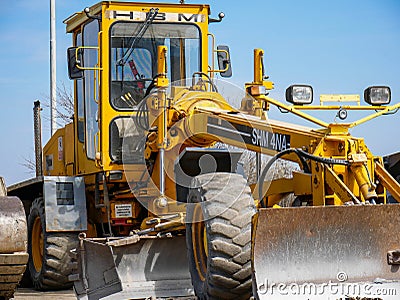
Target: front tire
218,234
49,260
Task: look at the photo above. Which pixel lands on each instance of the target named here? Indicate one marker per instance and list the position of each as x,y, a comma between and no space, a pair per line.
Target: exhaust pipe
37,127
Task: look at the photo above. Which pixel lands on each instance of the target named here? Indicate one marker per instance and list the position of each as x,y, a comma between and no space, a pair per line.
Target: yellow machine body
138,64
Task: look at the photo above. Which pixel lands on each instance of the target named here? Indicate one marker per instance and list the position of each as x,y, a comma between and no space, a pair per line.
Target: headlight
377,95
299,94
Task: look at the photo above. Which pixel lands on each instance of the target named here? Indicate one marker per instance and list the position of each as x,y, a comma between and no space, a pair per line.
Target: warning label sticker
123,210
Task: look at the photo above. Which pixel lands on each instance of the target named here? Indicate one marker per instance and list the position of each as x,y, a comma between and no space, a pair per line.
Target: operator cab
114,64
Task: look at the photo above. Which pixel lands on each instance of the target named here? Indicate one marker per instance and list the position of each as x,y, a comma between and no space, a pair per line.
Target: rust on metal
132,268
315,244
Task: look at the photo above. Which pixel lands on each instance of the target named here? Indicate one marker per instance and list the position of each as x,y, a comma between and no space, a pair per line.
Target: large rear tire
49,259
218,234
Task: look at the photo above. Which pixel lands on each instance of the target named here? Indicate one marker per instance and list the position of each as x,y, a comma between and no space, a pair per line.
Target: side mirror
74,56
224,61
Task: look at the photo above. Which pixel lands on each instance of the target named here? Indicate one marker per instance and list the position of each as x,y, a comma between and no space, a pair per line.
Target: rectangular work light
299,94
377,95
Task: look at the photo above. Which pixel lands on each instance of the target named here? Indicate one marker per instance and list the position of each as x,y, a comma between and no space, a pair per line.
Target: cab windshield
134,65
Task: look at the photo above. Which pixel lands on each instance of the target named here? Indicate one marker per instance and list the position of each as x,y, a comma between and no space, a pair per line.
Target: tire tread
228,209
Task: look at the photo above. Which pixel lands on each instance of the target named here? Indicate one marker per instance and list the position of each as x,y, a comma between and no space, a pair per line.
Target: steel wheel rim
37,244
199,242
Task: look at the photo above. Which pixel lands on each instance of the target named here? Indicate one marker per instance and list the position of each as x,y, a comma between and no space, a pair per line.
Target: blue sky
336,46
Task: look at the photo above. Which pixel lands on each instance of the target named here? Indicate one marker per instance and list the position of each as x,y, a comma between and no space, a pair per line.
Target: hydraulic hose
302,155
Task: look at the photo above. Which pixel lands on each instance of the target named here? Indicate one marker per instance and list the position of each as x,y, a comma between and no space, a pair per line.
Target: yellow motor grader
150,174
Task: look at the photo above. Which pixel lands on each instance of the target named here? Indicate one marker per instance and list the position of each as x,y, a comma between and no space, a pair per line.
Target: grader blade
132,269
13,244
338,252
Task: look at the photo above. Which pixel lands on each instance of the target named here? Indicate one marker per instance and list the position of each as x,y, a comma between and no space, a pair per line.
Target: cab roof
78,18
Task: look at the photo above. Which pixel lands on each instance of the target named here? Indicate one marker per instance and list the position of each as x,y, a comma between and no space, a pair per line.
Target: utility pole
53,83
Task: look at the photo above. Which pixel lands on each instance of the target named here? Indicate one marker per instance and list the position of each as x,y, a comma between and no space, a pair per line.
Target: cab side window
91,86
